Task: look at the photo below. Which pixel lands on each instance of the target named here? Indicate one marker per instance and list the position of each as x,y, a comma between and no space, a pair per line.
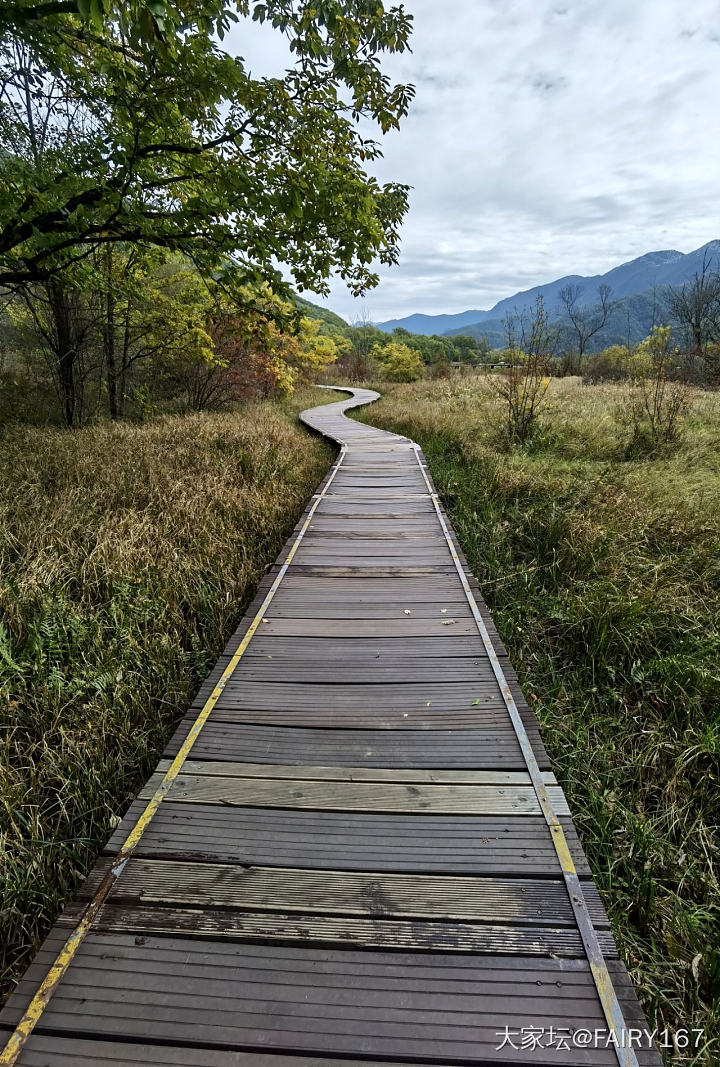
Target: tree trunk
124,362
109,339
698,338
65,350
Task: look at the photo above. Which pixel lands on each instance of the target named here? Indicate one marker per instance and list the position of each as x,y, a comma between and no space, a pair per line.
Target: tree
362,337
585,321
156,23
252,357
245,363
150,311
155,310
524,383
58,323
127,124
431,349
695,307
466,348
312,350
397,362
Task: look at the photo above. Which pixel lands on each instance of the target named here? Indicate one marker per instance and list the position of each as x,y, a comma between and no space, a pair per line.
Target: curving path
354,850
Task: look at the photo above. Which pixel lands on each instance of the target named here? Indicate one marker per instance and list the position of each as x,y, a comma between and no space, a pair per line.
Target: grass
127,556
602,573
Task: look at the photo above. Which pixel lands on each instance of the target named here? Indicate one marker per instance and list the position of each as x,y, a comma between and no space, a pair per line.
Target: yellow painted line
64,958
598,966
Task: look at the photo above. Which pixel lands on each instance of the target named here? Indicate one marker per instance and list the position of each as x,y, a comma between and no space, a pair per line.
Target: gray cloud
546,139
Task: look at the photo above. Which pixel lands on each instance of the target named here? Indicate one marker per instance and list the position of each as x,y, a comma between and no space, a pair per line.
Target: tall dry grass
127,555
602,569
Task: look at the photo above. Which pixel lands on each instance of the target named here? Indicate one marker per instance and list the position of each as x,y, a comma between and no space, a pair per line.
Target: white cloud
547,137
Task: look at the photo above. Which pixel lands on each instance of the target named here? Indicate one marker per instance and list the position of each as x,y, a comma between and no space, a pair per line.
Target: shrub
397,362
611,365
658,402
524,384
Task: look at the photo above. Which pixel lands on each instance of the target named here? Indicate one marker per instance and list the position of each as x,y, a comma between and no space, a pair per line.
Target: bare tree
511,326
695,307
524,384
364,317
585,320
538,337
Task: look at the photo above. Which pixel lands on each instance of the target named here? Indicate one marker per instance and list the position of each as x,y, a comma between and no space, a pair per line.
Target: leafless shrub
525,381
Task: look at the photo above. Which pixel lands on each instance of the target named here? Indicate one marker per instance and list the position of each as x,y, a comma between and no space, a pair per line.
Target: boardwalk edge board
353,849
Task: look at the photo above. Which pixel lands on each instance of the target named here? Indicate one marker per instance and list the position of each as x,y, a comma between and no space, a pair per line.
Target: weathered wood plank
482,747
310,930
173,989
509,901
356,774
304,794
55,1051
513,846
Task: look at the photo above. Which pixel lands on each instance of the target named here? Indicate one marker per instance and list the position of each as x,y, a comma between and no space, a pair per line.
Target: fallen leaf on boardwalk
428,703
443,611
266,620
448,622
407,611
472,703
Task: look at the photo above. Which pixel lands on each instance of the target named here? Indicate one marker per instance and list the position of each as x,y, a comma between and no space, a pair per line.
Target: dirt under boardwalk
362,856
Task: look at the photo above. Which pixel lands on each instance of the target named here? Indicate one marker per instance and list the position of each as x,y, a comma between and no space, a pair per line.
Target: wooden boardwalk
354,850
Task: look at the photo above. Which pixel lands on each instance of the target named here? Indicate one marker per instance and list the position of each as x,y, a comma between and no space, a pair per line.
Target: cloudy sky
546,138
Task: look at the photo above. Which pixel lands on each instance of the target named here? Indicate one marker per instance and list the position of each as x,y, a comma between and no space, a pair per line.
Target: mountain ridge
656,269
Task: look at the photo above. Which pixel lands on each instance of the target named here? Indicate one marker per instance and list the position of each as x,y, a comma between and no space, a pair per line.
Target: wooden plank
476,748
356,563
338,715
310,930
372,670
356,774
302,794
315,617
410,527
505,846
368,707
373,570
45,1050
445,639
363,697
172,989
509,901
365,541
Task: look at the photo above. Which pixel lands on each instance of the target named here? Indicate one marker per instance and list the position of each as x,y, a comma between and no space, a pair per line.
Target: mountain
314,311
653,271
630,320
433,324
